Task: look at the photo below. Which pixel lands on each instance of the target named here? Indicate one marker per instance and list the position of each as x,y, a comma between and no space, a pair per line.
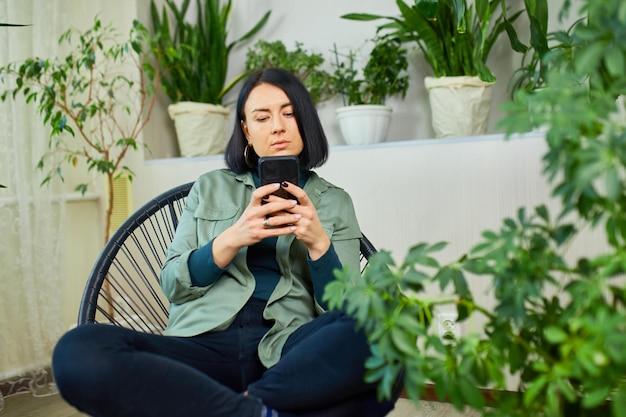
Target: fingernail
276,185
266,197
293,202
284,184
298,216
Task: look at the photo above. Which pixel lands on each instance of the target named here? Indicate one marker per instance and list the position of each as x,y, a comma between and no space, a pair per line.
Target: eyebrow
266,109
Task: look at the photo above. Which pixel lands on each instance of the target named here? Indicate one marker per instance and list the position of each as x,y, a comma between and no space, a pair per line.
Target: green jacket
216,201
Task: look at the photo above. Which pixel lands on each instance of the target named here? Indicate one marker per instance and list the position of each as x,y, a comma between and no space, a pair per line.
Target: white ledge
388,144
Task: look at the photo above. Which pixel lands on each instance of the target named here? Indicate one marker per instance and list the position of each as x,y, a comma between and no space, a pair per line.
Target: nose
278,125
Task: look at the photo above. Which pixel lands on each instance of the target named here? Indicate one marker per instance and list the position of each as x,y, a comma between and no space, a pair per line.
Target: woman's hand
257,222
267,216
308,227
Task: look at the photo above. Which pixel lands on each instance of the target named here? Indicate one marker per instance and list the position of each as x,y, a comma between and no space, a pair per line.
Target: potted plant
306,65
96,100
456,40
555,328
364,117
194,59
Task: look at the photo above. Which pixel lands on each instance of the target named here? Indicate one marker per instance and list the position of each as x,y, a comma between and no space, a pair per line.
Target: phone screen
274,169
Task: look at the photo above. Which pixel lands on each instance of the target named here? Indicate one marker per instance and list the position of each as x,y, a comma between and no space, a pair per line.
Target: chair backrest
123,287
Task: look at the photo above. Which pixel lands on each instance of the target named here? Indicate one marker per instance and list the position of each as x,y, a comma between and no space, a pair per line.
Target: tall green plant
545,47
194,55
556,326
101,93
455,38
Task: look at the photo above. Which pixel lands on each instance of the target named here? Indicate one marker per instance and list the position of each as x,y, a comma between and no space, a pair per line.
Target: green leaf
597,396
614,60
403,341
409,323
361,16
460,284
535,388
471,394
565,387
618,405
588,56
542,212
613,184
563,233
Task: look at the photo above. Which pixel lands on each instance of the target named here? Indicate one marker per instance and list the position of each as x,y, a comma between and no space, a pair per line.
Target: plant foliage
102,93
194,55
384,74
455,38
545,47
557,327
307,66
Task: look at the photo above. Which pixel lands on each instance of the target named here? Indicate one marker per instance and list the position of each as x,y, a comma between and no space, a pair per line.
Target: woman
248,332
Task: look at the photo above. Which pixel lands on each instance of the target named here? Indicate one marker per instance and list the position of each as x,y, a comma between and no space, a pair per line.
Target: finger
281,220
297,192
274,205
263,191
278,225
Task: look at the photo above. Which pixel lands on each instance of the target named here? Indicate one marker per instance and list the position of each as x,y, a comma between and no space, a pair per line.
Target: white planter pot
200,127
459,105
364,124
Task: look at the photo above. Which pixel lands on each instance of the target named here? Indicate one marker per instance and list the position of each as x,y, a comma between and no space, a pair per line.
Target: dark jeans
108,371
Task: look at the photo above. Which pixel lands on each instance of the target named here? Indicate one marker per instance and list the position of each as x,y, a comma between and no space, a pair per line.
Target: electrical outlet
449,330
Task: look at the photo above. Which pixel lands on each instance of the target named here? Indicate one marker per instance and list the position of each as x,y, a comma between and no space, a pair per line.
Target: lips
281,144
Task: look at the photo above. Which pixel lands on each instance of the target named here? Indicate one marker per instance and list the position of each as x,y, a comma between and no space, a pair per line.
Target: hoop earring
245,155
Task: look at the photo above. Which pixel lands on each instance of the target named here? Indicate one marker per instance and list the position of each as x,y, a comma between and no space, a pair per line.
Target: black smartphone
274,169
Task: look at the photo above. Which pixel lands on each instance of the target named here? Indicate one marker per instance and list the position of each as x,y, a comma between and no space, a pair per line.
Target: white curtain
32,217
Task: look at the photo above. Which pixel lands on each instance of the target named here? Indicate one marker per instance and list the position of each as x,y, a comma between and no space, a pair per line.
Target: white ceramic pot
459,105
364,124
200,127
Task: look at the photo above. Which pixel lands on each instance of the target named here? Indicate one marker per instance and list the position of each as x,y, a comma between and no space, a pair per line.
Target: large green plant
307,66
384,74
455,38
557,326
101,93
193,55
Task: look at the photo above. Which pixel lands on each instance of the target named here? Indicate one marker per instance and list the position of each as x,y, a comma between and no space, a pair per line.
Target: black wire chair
123,287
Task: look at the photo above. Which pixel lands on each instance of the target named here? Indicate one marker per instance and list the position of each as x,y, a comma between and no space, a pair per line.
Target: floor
25,405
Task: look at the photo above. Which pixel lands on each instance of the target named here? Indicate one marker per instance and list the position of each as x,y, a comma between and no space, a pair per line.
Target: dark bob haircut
315,152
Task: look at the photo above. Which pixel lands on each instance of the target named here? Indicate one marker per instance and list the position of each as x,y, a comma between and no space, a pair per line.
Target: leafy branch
96,101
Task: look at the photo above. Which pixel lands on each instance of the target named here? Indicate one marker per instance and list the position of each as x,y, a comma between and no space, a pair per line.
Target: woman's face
270,125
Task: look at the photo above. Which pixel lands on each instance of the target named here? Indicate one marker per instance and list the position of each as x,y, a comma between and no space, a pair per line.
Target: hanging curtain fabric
32,217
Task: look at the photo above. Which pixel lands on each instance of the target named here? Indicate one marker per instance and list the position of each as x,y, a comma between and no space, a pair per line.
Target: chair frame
141,242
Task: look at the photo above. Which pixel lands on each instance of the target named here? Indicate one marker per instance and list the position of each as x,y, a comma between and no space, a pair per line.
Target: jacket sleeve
175,275
322,273
346,233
